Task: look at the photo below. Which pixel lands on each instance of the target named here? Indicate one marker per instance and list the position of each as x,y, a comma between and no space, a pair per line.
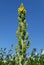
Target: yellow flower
21,8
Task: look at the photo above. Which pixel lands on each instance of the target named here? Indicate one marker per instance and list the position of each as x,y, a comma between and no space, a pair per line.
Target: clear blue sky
9,22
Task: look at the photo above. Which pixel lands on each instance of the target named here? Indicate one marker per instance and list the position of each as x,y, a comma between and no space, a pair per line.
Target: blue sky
9,22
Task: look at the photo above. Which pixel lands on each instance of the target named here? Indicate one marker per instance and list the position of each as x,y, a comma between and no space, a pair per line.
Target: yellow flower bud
21,8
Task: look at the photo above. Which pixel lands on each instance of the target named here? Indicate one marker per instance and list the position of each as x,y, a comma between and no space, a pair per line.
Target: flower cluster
21,9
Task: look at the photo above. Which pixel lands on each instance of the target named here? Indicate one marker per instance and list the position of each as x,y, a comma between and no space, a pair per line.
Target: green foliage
33,59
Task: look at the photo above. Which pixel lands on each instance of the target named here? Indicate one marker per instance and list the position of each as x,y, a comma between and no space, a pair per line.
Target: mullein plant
22,35
23,44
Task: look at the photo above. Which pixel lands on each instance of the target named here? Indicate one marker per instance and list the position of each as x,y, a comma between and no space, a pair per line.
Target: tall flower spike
22,36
